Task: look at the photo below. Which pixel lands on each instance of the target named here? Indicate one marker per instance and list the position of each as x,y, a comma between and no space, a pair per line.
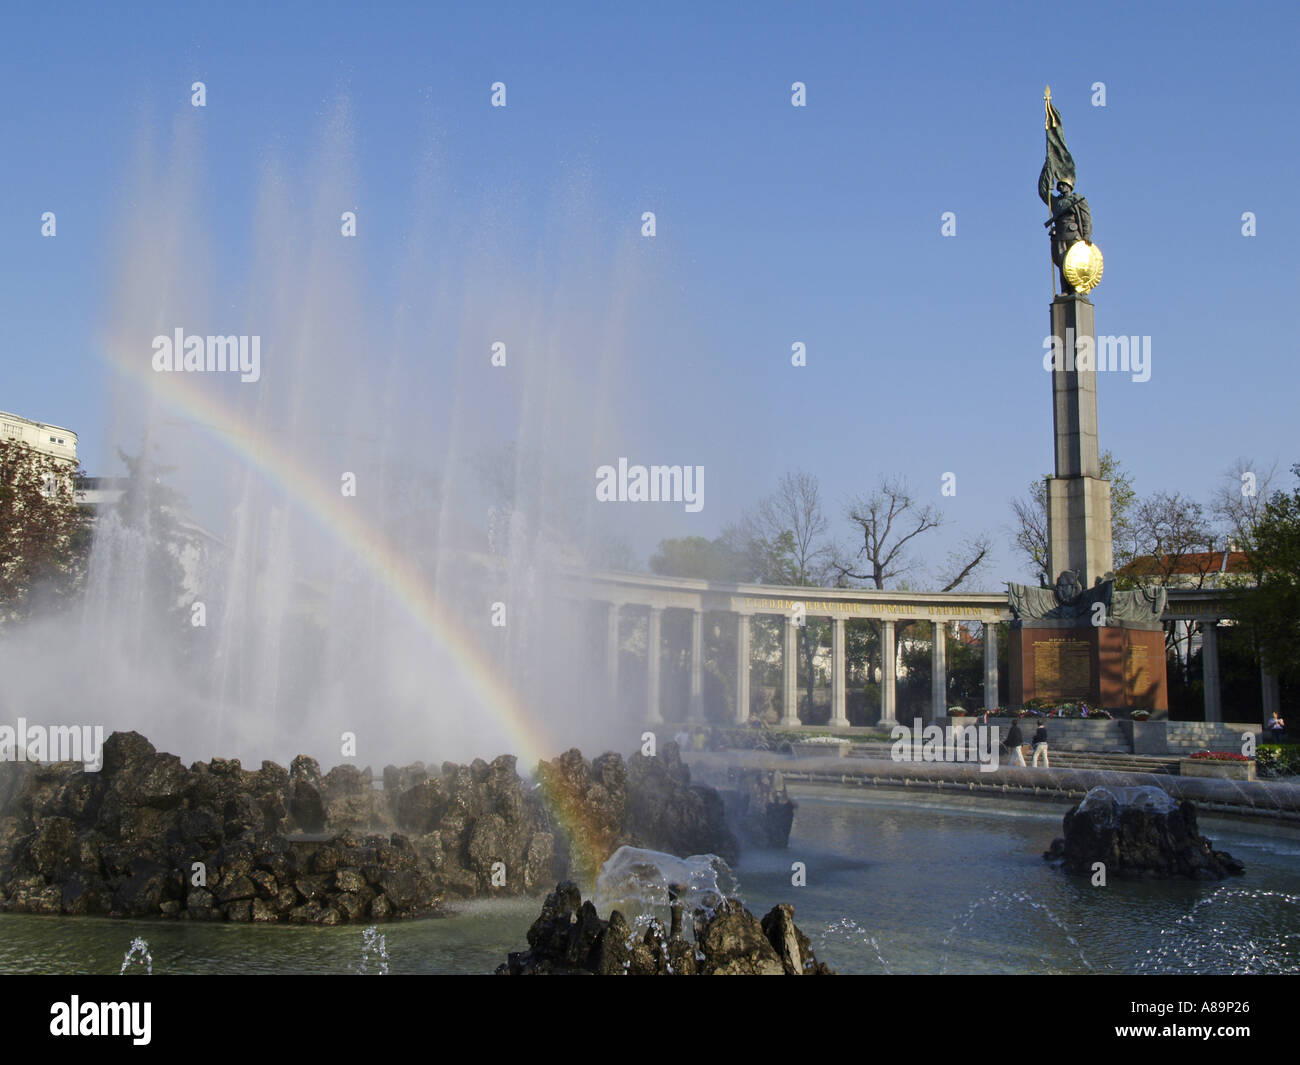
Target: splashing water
636,881
374,941
139,952
1229,931
847,930
1014,900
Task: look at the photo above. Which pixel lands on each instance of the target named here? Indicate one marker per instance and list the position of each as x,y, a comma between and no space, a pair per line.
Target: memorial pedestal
1117,666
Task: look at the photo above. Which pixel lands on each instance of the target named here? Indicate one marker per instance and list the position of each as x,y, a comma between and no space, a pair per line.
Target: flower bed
1221,765
820,747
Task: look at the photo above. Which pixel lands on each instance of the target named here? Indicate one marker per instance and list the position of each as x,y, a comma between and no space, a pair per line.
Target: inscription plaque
1137,670
1062,669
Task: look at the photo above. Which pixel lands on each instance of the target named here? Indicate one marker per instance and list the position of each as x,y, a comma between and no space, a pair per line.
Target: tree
1272,610
1238,502
1173,541
44,534
792,538
890,519
796,509
1031,533
695,557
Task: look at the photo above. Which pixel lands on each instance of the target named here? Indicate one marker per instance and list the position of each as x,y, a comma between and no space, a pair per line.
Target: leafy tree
1272,610
44,534
695,557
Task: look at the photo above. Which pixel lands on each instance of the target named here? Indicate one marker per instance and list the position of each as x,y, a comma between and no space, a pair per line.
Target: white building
52,440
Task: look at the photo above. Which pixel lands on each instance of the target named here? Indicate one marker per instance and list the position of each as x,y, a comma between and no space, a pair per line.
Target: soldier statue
1070,223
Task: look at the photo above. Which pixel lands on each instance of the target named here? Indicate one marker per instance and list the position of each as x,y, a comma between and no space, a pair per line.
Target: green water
893,886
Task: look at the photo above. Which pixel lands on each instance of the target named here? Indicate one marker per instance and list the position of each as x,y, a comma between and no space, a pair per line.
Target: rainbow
402,580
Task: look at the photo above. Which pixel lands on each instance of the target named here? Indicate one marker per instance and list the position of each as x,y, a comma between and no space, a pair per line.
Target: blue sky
775,224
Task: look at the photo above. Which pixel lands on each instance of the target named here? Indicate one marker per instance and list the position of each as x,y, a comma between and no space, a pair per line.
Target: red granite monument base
1111,666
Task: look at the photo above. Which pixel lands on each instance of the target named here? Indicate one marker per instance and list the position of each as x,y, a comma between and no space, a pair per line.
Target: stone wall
1157,739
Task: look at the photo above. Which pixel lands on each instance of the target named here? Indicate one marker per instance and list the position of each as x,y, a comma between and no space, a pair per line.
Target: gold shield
1083,266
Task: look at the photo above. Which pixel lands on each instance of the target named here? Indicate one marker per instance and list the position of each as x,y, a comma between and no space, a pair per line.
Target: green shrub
1277,760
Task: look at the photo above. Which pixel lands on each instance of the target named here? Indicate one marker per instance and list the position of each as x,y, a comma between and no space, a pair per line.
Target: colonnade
627,596
789,643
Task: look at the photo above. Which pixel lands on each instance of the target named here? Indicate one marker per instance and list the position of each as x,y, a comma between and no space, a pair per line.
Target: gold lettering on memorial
1137,669
1062,669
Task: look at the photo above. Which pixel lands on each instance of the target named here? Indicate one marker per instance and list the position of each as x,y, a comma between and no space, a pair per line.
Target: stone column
938,669
611,650
742,669
888,666
1272,699
789,674
1078,500
695,708
839,689
653,713
1210,670
990,665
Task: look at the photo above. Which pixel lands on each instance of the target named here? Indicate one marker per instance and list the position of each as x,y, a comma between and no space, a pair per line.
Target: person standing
1277,727
1040,745
1014,741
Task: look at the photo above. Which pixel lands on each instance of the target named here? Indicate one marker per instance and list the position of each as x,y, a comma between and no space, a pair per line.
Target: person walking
1040,745
1013,743
1277,727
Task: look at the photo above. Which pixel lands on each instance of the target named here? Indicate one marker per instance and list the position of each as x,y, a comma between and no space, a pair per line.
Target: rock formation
147,836
758,807
1138,833
570,938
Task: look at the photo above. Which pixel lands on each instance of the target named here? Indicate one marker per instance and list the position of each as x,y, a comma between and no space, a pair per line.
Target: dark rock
758,807
569,937
1139,833
141,894
733,943
126,839
665,813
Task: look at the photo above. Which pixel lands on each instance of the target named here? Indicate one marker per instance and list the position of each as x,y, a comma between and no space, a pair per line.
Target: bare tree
889,519
796,508
1174,540
1172,544
1031,529
1031,533
791,529
966,561
1238,502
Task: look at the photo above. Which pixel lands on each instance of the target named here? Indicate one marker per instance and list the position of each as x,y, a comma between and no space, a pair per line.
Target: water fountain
374,941
138,953
643,884
354,517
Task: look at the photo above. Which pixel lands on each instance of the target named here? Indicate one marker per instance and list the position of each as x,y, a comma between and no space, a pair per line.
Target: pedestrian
1277,727
1014,742
1040,745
